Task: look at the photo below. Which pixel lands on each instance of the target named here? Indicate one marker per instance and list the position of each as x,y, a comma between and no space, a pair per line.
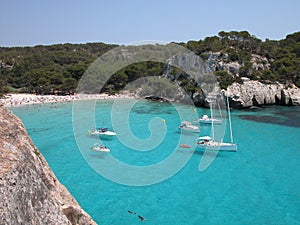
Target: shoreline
13,100
17,99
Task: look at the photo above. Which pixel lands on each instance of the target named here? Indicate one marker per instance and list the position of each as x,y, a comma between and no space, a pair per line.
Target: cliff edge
29,191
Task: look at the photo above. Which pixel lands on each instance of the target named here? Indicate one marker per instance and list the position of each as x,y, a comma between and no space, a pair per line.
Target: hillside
47,69
238,54
233,56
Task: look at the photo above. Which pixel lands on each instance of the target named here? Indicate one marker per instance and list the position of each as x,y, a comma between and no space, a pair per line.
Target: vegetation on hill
232,55
48,69
260,60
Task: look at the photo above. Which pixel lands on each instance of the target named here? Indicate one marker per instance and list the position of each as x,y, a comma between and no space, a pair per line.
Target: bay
259,184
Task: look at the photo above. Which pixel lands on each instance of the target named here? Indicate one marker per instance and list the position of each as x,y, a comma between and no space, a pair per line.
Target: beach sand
10,100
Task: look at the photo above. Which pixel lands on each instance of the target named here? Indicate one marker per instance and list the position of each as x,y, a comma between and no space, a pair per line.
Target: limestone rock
29,191
291,95
255,93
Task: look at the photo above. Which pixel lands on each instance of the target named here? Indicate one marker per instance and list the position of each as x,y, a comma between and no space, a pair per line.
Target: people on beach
25,99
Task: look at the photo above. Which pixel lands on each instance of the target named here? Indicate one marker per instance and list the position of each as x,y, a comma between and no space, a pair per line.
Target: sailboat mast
212,121
229,118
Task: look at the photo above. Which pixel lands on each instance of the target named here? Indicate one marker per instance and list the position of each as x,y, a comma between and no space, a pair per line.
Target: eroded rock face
29,191
255,93
291,96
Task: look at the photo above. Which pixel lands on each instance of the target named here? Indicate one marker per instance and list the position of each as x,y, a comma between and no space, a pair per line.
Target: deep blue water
259,184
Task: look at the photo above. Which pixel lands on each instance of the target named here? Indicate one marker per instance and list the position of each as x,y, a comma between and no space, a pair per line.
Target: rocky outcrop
255,93
219,61
29,191
250,93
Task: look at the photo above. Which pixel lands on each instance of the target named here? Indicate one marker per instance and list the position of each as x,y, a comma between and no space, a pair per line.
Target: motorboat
102,132
100,148
206,120
187,126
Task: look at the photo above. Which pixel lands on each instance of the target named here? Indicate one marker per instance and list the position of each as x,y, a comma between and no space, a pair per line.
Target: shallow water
259,184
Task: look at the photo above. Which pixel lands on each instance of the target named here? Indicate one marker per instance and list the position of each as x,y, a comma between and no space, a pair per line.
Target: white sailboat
209,143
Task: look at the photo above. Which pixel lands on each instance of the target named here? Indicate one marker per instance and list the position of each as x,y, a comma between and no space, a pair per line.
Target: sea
149,177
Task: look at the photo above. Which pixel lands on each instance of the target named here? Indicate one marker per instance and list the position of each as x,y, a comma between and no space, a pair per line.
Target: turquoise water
259,184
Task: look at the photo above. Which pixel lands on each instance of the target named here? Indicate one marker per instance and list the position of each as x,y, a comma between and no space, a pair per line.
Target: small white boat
102,132
187,126
206,120
100,148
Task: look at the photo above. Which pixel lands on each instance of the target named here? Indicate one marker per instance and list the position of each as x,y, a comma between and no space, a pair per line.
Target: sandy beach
11,100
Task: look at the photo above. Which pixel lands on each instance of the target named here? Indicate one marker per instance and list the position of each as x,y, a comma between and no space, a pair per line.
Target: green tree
77,70
224,78
3,88
68,86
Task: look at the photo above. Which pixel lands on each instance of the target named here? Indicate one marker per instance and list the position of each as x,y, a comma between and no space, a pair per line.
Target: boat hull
210,122
218,146
101,149
188,130
103,134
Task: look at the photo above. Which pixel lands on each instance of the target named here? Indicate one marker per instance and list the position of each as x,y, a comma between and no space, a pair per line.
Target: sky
35,22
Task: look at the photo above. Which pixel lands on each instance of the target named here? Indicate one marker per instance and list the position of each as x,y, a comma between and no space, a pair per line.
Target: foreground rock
29,191
255,93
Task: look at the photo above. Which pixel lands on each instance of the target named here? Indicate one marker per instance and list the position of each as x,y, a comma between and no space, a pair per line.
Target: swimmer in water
131,212
142,218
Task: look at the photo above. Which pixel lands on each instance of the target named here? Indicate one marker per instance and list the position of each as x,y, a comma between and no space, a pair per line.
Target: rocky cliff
249,93
255,93
244,94
29,191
